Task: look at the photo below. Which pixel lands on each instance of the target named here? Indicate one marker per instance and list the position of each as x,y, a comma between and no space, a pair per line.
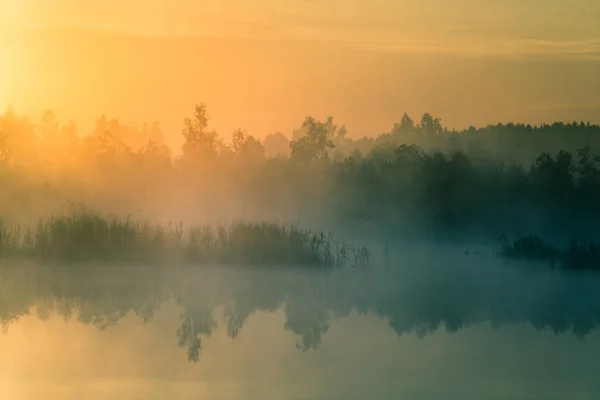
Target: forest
418,181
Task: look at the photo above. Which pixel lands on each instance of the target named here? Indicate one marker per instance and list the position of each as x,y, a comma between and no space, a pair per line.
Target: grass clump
530,248
577,256
87,236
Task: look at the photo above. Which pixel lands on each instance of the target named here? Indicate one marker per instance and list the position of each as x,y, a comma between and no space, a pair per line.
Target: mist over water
431,324
460,264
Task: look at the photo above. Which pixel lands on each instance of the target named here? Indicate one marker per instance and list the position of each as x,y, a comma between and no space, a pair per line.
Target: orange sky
263,65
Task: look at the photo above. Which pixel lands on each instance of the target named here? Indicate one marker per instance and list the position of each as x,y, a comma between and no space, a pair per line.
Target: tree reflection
561,302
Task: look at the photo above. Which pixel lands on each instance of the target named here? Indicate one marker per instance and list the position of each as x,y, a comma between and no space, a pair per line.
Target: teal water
97,333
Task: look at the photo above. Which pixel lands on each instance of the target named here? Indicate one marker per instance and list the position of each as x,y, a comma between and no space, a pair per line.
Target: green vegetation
577,256
86,236
419,179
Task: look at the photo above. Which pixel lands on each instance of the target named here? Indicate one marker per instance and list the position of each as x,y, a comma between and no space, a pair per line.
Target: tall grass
87,236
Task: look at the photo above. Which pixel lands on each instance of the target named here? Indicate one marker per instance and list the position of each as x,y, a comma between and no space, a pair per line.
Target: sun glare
4,75
9,9
7,59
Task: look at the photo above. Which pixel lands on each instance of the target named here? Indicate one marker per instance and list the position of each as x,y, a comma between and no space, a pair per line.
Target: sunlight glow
11,11
6,78
471,62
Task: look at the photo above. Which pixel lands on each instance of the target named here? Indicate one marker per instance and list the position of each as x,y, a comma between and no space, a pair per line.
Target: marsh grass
87,236
577,256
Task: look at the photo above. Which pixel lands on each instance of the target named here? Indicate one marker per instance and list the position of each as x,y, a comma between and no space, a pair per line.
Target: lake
465,328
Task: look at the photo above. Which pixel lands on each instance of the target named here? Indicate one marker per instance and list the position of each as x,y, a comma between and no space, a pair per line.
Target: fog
299,200
130,268
419,180
472,325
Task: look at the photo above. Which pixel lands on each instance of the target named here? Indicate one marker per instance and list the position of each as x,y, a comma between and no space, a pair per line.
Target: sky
264,65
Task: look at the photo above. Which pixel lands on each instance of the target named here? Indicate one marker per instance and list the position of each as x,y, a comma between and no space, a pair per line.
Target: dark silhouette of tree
200,145
246,148
316,140
430,126
588,178
405,127
417,180
196,323
456,299
276,145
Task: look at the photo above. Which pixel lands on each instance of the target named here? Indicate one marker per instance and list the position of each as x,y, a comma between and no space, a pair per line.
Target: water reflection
548,344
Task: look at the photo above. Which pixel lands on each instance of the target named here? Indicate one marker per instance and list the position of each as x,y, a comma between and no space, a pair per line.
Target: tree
246,148
553,177
200,145
588,182
430,125
315,142
587,163
155,155
341,144
405,127
408,156
20,144
238,140
339,137
276,145
59,145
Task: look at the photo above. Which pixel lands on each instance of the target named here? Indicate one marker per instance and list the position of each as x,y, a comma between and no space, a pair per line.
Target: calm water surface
413,333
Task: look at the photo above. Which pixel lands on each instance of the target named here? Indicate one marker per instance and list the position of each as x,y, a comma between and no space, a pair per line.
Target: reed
87,236
578,255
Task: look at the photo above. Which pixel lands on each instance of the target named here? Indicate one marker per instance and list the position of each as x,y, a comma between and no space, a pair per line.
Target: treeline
578,255
555,197
418,179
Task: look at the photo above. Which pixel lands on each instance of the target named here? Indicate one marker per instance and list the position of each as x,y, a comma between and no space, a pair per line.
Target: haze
264,65
475,328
